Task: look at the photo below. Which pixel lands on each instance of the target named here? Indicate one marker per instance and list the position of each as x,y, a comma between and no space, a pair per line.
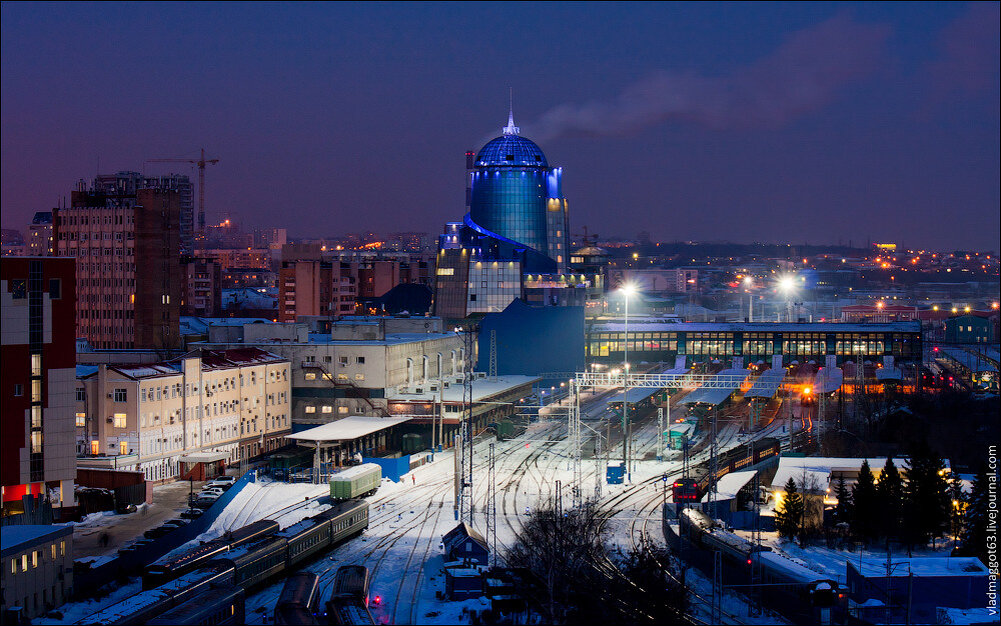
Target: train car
348,612
295,616
144,606
347,520
298,600
251,533
306,538
360,480
137,609
254,563
685,490
165,570
217,606
352,581
301,589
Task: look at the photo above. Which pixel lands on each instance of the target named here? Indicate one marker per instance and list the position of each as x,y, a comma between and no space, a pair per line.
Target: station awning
348,428
204,457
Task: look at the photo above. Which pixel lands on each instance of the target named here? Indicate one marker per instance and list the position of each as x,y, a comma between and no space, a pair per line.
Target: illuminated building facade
514,240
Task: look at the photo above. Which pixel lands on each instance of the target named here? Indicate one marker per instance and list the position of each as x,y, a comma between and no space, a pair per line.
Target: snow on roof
767,384
828,379
717,395
636,394
116,612
348,428
889,373
924,566
85,370
980,615
354,472
728,486
483,388
822,468
13,537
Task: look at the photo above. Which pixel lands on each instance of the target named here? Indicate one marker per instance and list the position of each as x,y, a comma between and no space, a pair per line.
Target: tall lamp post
748,283
787,284
627,290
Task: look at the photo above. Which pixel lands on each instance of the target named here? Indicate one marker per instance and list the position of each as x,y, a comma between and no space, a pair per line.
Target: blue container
614,474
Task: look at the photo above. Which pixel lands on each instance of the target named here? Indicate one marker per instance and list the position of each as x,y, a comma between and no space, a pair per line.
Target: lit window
310,376
311,409
81,420
123,447
343,410
94,447
120,420
327,408
359,377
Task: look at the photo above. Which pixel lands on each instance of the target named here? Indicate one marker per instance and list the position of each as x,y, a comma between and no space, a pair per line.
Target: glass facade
795,345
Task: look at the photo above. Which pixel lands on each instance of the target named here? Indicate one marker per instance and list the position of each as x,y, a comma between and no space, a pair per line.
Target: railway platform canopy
714,395
828,379
633,396
767,385
730,485
346,429
971,362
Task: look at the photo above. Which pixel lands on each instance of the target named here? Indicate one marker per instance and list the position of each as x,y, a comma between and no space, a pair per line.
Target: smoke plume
801,75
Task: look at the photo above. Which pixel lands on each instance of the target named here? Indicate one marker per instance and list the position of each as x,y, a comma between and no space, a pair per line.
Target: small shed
463,581
464,544
917,587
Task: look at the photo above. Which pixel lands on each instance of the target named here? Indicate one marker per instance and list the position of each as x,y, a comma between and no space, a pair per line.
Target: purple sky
808,122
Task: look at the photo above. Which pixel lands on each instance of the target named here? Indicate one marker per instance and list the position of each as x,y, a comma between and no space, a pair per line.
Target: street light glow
787,283
627,289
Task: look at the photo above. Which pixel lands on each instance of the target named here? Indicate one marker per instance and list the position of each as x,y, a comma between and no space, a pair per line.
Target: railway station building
653,339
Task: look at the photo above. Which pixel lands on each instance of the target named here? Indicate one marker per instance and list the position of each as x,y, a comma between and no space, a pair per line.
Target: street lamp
748,283
627,290
787,284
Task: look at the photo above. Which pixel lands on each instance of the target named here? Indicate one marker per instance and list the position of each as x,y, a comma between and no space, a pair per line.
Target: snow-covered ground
401,547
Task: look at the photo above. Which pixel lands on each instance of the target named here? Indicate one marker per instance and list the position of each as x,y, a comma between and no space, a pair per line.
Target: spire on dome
511,129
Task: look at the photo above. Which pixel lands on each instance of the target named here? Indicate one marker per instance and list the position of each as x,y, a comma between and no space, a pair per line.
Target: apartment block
117,234
162,418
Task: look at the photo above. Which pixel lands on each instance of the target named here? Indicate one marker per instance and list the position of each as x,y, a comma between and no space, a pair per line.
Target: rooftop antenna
511,129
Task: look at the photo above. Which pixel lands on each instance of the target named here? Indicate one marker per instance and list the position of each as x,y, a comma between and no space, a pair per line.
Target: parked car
176,523
125,507
190,514
216,490
206,500
223,482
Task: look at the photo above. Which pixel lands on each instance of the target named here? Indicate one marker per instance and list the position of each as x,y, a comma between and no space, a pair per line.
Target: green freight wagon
355,481
505,430
413,442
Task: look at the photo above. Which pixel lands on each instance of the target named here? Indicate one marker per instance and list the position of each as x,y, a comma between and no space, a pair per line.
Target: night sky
800,122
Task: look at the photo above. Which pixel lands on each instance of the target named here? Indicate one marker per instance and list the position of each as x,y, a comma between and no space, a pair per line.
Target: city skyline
660,114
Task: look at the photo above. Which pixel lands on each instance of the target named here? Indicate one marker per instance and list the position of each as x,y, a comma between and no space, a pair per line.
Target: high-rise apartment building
40,235
38,353
130,182
129,274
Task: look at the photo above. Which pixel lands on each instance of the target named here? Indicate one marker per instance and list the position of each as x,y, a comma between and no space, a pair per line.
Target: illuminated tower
516,195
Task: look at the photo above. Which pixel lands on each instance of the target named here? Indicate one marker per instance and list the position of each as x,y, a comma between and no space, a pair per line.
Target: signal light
748,561
377,600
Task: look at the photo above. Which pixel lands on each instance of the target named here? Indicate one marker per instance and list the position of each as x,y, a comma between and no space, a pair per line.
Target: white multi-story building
351,369
163,418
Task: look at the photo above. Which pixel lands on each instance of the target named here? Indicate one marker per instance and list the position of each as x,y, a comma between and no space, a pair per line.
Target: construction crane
201,163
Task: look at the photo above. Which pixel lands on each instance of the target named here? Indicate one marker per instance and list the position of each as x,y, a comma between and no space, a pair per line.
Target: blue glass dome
511,150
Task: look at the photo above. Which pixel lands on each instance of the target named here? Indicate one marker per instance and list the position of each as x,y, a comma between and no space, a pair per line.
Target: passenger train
240,560
693,487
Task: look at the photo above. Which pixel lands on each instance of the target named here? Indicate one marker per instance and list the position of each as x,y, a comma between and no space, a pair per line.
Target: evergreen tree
926,497
890,500
789,512
976,520
843,511
865,514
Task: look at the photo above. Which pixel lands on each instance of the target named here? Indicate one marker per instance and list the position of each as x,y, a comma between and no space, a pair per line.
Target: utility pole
492,504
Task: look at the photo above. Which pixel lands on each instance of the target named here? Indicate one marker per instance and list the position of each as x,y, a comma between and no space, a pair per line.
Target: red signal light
748,561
